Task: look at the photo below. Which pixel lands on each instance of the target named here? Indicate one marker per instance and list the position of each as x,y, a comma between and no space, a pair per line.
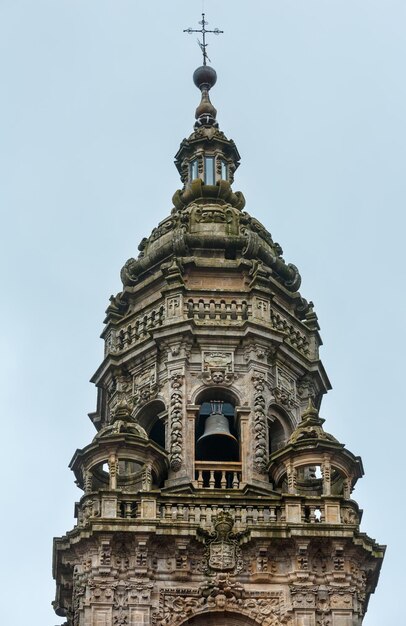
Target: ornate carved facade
211,492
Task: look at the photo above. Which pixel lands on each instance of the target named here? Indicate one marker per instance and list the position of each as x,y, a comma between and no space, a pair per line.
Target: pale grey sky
96,96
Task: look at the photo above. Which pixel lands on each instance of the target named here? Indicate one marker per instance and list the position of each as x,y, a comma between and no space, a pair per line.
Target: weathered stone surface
268,535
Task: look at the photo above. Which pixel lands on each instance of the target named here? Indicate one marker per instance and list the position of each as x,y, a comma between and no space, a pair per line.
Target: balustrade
217,310
310,511
138,330
217,475
204,514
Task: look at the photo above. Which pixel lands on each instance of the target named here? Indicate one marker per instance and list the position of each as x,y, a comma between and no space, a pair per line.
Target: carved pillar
291,474
259,423
176,421
326,471
113,471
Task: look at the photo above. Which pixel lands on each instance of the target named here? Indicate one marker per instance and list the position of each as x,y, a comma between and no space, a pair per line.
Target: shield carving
222,555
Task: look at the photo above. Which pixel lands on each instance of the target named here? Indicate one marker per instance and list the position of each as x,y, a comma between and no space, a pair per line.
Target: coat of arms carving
223,551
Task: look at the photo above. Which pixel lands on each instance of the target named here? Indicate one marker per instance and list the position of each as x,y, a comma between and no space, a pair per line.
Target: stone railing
135,331
217,475
203,515
282,512
144,505
217,311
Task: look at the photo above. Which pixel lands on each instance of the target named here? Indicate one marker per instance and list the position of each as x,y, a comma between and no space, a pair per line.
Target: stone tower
211,492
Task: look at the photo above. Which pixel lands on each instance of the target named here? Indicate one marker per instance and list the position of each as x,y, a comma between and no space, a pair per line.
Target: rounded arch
217,428
280,426
149,417
221,617
207,392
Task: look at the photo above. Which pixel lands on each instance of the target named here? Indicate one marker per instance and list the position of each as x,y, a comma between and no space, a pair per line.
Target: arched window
276,434
152,419
216,432
279,428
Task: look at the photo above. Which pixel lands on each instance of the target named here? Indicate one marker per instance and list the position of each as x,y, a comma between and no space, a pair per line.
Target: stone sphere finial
205,76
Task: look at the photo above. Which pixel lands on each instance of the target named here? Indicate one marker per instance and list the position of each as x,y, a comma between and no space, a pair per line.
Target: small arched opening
152,418
279,428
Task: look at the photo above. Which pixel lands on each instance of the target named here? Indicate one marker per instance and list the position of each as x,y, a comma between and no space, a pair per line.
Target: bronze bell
217,443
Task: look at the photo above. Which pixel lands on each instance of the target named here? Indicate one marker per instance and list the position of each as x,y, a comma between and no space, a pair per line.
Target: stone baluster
212,481
223,481
179,511
168,511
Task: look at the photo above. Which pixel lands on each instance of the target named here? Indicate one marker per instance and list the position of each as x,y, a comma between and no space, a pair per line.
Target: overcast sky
96,96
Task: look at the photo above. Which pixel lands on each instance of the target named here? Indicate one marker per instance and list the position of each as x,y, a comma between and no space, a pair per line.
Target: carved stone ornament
349,516
218,360
120,390
306,387
176,429
260,451
323,599
284,391
283,397
223,552
221,594
218,367
145,386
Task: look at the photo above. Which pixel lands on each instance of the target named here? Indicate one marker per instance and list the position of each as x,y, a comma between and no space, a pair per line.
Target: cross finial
203,30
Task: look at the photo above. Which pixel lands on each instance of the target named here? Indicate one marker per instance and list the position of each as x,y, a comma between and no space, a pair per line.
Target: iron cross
203,30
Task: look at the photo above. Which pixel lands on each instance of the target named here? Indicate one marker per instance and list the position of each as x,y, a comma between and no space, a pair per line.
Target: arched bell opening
152,418
217,440
279,428
217,437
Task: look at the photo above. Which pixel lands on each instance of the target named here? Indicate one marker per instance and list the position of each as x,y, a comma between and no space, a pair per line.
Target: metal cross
203,30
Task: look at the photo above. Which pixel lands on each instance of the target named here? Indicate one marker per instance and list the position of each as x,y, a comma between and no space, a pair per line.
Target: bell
217,443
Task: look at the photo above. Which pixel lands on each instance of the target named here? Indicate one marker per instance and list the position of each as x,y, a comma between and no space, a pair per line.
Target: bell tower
211,492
